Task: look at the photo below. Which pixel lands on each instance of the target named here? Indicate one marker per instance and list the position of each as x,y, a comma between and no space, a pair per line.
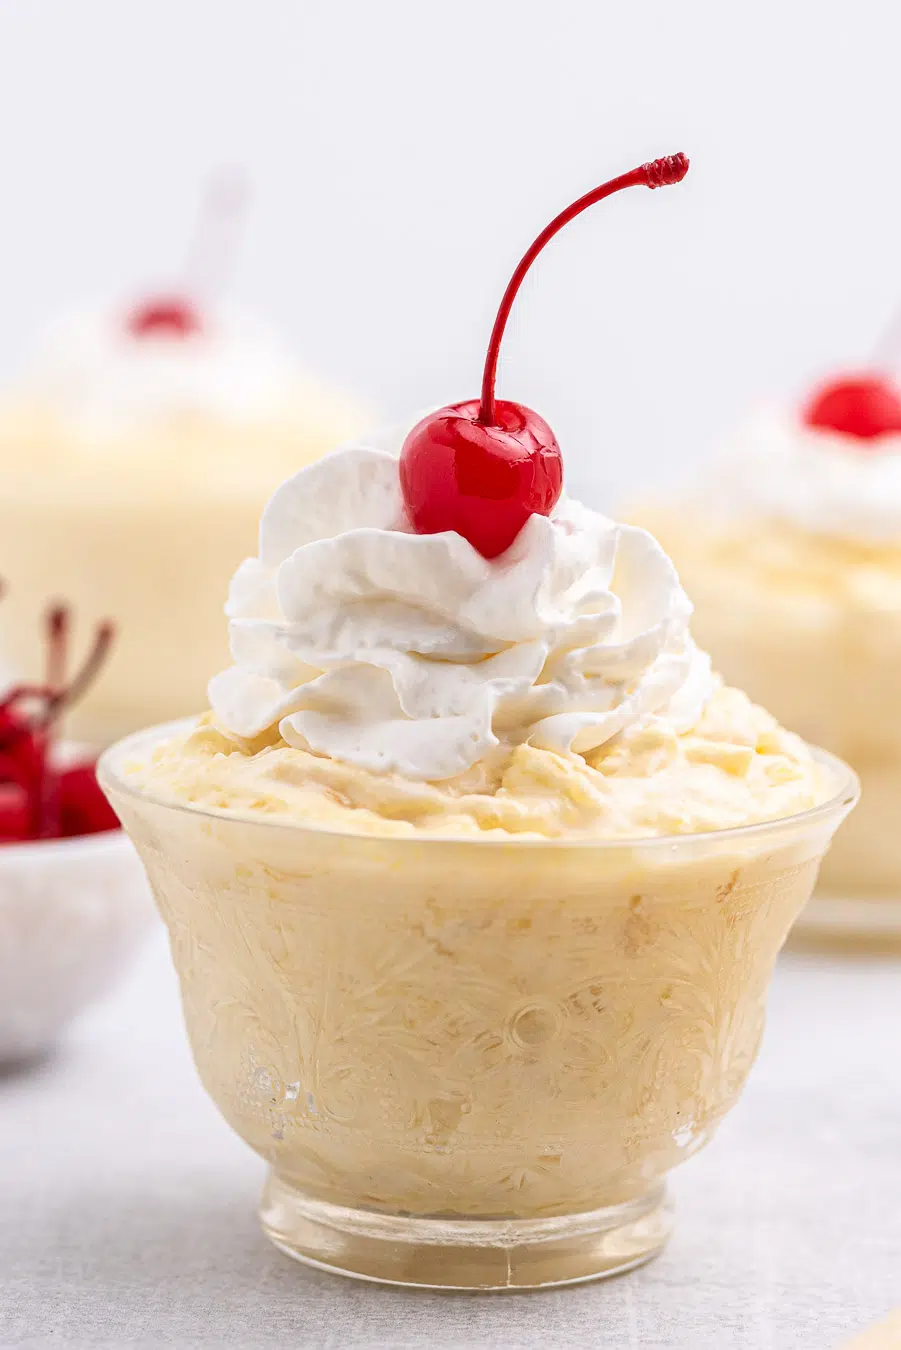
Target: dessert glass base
445,1253
470,1063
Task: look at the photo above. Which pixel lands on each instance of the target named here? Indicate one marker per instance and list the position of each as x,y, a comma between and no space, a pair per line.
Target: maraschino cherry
210,256
864,406
39,798
482,467
165,316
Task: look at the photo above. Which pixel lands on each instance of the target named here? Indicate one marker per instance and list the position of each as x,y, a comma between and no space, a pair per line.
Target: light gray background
404,152
127,1206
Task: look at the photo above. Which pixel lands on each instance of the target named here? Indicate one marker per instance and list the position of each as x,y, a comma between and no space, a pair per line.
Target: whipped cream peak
102,378
822,481
406,653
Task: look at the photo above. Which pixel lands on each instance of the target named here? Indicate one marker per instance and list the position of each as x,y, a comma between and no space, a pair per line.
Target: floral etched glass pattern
464,1038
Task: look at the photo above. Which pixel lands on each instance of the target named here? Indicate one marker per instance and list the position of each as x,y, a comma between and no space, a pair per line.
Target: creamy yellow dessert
736,767
134,463
792,555
475,876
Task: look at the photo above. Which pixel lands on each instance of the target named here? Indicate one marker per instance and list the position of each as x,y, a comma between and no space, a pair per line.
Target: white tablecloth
127,1208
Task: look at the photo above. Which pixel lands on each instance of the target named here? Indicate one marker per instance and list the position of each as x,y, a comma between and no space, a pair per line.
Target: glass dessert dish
470,1063
474,872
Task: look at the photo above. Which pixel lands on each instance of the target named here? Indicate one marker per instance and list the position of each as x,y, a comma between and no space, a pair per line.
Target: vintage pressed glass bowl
470,1064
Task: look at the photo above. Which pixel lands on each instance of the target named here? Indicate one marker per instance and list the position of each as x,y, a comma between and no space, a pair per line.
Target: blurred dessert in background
791,550
125,420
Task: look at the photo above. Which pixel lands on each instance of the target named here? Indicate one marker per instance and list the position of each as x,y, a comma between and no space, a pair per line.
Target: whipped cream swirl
821,481
102,379
412,654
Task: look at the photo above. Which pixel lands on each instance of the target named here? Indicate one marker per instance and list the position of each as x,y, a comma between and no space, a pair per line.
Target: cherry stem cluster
28,713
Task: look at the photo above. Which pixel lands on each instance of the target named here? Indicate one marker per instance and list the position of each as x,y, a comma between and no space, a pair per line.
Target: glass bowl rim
839,803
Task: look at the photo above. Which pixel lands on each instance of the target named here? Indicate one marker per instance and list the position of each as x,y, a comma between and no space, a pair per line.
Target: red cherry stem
55,699
57,645
64,698
658,173
44,797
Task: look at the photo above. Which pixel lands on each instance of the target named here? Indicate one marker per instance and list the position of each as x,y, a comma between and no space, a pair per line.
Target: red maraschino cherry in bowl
73,898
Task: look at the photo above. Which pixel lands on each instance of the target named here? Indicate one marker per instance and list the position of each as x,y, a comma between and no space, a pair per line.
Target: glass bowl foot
488,1254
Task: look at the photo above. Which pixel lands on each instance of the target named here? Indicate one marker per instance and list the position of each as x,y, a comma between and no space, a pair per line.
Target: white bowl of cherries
74,902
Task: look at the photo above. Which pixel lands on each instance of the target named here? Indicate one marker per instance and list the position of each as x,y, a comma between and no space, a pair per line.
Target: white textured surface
127,1207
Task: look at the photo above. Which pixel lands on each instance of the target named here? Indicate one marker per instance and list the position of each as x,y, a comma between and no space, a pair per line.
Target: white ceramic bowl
72,913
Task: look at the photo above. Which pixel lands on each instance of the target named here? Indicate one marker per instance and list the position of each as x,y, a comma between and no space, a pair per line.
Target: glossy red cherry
83,809
164,316
483,482
481,468
864,406
38,799
15,813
